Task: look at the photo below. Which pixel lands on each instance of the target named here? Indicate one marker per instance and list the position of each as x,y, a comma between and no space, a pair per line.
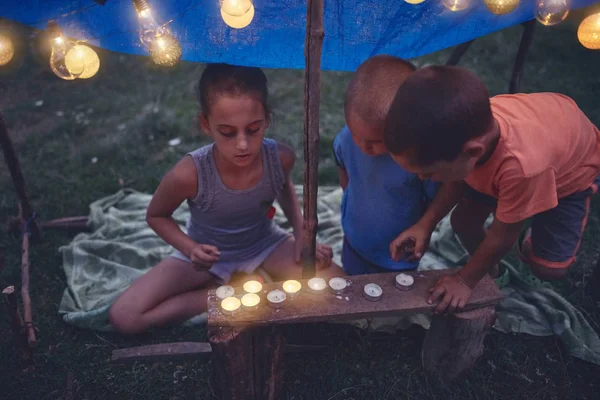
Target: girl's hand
203,256
323,255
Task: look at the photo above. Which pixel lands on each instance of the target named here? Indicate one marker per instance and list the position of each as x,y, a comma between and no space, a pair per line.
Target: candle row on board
291,288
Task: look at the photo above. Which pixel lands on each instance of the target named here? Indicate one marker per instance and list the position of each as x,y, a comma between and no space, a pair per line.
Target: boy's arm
339,159
456,289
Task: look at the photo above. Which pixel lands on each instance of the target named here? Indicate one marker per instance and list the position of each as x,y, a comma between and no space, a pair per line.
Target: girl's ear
203,123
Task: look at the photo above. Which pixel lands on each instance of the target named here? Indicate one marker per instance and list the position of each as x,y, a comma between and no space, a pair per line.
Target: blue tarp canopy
354,29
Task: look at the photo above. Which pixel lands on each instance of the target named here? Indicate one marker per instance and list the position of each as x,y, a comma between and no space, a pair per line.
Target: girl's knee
125,320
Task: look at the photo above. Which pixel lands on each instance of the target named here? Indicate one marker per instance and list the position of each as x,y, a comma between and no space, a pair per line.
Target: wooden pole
17,325
524,46
458,52
12,161
312,97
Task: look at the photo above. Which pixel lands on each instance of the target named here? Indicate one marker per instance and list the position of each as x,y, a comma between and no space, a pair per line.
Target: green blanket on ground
100,265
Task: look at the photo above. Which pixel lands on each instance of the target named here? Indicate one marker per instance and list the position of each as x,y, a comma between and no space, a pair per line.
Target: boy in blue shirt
380,198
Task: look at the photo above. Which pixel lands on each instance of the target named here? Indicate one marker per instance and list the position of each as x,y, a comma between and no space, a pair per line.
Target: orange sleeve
522,197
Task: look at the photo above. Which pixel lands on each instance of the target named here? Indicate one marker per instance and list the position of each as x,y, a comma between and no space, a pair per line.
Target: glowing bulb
456,5
414,1
7,50
551,12
237,13
588,32
60,47
82,58
164,49
501,7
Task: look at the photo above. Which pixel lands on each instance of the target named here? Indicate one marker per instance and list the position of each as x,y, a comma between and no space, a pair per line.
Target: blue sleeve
430,189
338,146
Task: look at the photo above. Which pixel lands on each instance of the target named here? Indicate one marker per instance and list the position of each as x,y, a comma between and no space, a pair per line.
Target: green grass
125,117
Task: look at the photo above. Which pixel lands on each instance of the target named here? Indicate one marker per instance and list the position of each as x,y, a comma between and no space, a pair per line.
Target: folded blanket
100,265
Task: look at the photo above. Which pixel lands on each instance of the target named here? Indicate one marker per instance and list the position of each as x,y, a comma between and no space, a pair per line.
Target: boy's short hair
373,87
435,112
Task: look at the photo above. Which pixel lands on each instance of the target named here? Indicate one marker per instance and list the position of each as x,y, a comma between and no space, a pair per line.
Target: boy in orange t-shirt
523,157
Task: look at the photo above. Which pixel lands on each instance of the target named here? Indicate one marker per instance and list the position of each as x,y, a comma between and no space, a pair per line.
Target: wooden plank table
248,347
310,307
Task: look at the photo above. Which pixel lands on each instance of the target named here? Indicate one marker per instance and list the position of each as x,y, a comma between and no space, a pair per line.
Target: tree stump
248,363
455,342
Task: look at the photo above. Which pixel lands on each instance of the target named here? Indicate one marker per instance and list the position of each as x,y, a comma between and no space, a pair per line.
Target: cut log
248,364
455,342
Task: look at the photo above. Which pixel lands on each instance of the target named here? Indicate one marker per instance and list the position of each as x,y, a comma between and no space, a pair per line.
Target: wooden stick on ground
312,97
12,161
25,298
17,325
69,389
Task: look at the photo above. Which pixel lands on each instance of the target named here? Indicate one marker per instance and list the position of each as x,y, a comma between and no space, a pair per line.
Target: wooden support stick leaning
17,325
458,52
455,342
14,167
312,97
524,46
25,298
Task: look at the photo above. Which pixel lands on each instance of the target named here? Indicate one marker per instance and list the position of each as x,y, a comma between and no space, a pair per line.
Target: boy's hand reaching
411,244
453,290
203,256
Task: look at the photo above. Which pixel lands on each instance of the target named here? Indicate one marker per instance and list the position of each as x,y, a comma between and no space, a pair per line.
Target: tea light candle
276,298
316,285
250,301
292,287
252,287
404,281
224,292
373,291
338,285
231,305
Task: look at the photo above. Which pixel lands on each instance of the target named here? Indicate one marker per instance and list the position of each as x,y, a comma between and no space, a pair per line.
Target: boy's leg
172,291
354,264
551,244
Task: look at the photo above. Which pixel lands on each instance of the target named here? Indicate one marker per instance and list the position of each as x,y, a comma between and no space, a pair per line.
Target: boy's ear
203,123
474,148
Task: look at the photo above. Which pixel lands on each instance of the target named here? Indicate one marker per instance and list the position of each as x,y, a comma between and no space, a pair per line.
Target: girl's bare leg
281,264
172,291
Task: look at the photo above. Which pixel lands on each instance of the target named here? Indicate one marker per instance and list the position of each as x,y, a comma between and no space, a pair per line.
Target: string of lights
73,59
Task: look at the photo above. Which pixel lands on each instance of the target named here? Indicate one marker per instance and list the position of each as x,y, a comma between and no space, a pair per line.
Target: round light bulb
501,7
7,50
552,12
60,47
414,1
456,5
236,8
238,22
165,50
588,32
82,59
